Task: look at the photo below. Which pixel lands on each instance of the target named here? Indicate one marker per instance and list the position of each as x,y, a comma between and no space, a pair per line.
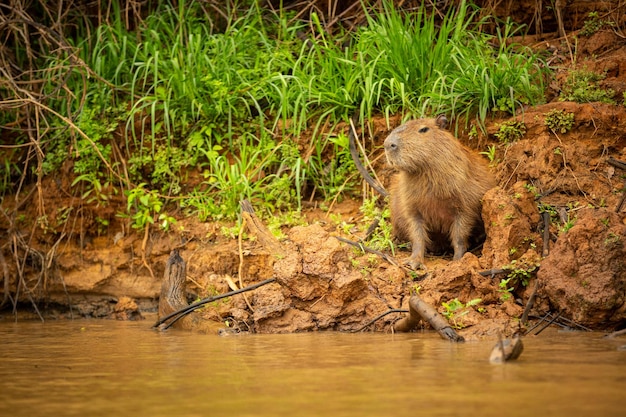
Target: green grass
254,108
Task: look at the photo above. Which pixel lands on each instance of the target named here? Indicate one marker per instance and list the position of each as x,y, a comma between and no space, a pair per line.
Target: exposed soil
325,284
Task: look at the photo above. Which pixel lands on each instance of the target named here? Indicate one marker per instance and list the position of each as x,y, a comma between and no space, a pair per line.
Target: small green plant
504,289
559,120
505,104
93,189
287,219
520,273
103,225
61,216
340,176
511,131
509,216
382,237
144,208
454,310
342,225
490,153
533,190
568,224
611,239
232,232
593,24
9,171
473,133
582,86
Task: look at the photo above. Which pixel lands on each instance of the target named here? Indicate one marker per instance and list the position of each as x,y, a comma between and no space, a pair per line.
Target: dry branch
256,226
421,310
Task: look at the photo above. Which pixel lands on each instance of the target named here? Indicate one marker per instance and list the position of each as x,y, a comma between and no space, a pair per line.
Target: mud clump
126,309
511,224
319,288
585,274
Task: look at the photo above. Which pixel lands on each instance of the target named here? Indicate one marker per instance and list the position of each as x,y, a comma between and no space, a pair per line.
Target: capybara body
436,196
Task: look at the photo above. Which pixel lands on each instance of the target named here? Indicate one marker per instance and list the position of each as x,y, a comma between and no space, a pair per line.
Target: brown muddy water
106,368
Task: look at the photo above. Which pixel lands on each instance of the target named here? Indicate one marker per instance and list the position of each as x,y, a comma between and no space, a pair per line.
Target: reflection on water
93,368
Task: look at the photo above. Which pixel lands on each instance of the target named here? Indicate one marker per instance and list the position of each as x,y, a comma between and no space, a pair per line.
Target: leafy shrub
511,131
581,86
559,120
593,24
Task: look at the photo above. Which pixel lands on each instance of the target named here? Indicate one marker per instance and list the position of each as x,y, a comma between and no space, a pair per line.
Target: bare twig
530,304
545,216
179,314
241,260
359,166
378,317
368,249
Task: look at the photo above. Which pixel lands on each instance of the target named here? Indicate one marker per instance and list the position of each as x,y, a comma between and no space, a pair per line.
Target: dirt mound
585,273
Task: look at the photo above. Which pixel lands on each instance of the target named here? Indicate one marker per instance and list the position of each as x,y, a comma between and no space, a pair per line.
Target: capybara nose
391,143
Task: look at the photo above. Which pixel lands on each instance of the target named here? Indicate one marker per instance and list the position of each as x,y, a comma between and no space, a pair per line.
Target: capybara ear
442,121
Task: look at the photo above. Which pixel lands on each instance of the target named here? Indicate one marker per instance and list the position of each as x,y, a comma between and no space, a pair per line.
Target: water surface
105,368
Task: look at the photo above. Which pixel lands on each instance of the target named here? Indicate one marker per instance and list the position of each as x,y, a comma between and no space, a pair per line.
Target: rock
459,279
506,350
290,320
126,309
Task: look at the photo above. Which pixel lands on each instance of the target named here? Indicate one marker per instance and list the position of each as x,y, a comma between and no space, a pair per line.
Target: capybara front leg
419,240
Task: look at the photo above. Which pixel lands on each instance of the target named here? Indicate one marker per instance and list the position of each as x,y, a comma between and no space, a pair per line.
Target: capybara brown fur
436,195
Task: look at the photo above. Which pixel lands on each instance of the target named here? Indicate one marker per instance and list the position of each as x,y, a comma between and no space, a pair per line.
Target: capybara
436,196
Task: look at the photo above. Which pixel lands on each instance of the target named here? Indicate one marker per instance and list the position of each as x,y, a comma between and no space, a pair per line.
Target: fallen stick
615,334
492,272
616,163
563,322
530,304
420,309
380,316
545,325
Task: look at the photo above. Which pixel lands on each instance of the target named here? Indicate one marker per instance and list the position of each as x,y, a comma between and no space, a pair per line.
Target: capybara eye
423,130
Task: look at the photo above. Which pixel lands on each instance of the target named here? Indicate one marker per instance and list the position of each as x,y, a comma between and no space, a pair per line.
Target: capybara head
410,146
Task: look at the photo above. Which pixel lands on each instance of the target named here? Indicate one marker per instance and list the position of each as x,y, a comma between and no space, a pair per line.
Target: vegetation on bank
197,110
